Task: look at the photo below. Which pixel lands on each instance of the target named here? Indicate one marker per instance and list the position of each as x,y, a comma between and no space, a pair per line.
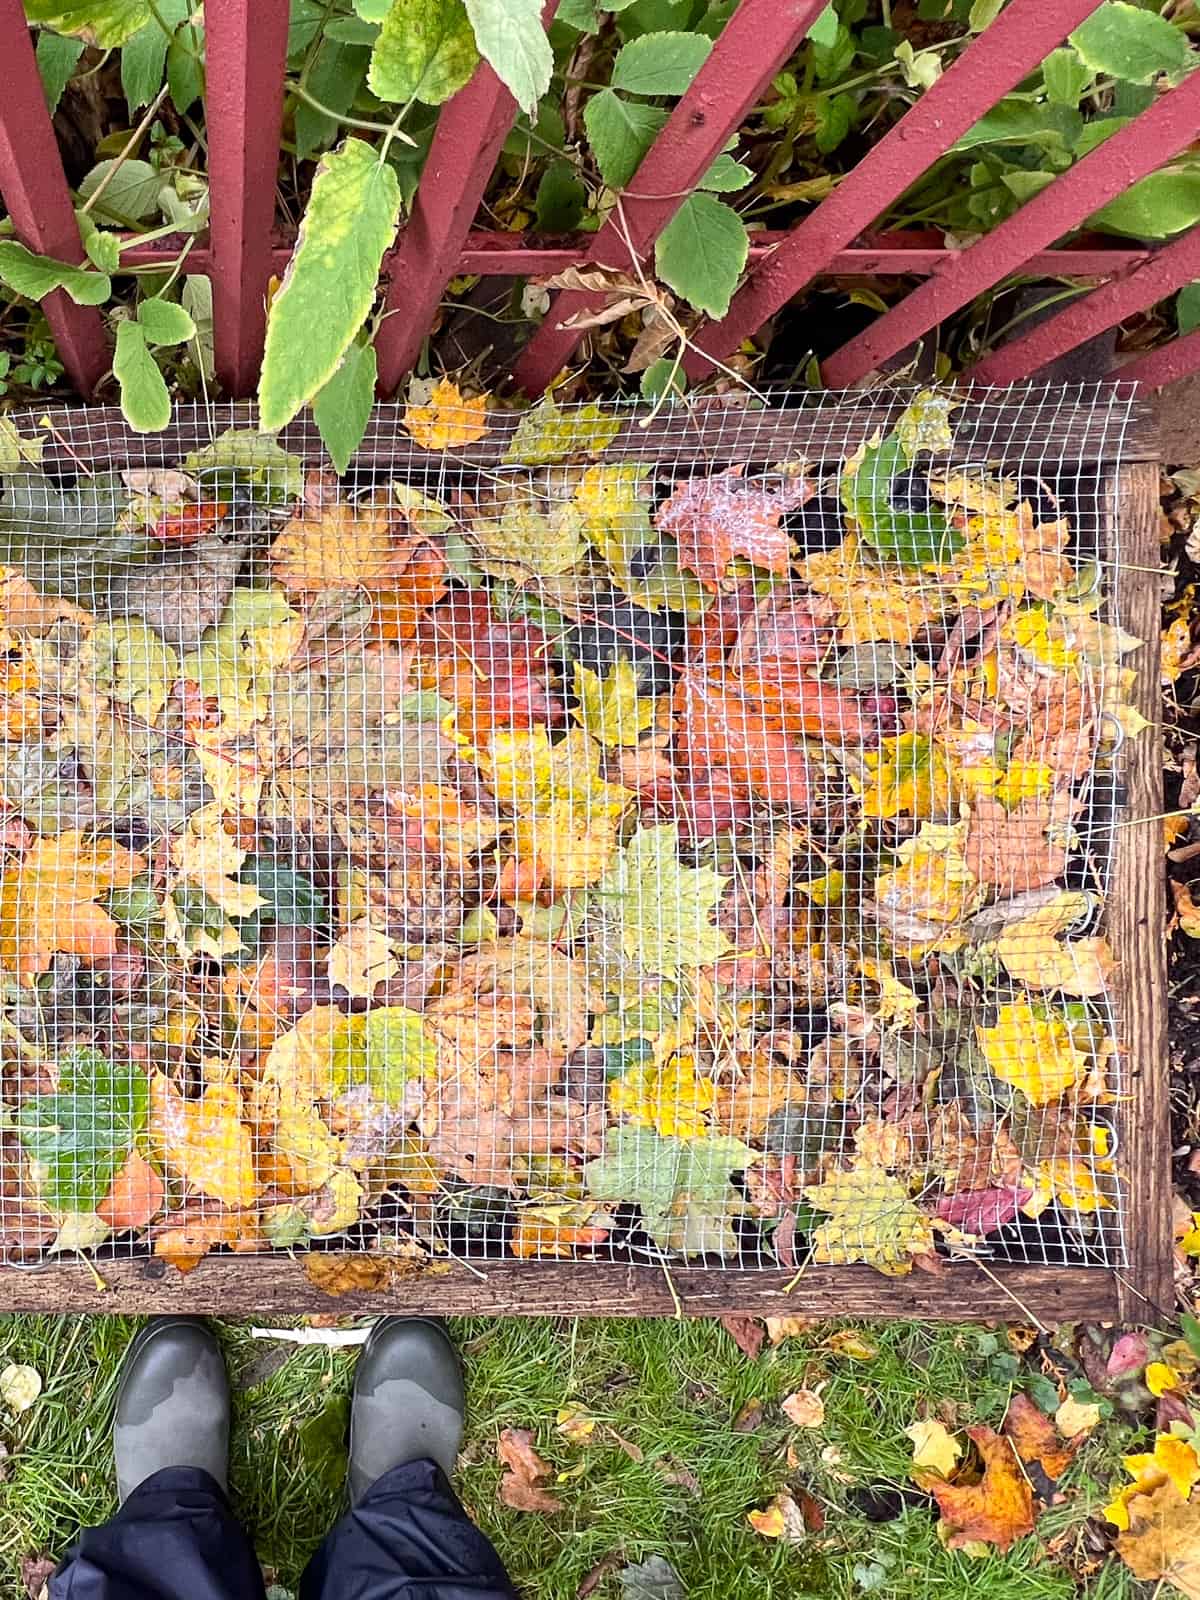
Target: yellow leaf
849,1342
524,536
804,1407
1176,646
209,857
932,883
909,775
1174,1461
1043,637
1035,957
871,1219
1162,1540
447,419
310,1149
609,708
362,959
895,1002
870,606
936,1451
1024,780
571,846
205,1141
47,901
338,1205
1074,1417
782,1519
575,1424
1031,1050
1159,1378
339,544
781,1328
673,1099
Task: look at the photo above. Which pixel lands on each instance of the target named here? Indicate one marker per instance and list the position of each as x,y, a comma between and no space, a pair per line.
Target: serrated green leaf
1124,41
185,67
1065,77
682,1186
982,13
130,662
701,252
663,909
1156,207
425,51
835,118
330,282
103,249
80,1136
726,175
620,132
163,322
546,433
37,276
511,39
144,57
107,23
56,58
131,196
145,401
660,63
342,407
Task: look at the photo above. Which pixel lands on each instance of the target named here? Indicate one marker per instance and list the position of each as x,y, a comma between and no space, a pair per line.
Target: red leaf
495,671
719,728
191,524
714,519
982,1210
747,1333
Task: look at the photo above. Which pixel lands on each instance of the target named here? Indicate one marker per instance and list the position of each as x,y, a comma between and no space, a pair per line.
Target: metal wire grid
524,1051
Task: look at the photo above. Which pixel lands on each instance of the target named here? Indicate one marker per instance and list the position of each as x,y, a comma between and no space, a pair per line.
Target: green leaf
80,1136
561,199
664,376
36,276
1093,134
833,61
701,252
382,1050
1124,41
163,322
682,1186
425,51
546,434
343,406
129,661
19,451
1065,77
185,67
835,118
106,23
1190,1328
1187,308
350,30
726,175
1159,205
660,63
145,401
331,279
824,29
1019,122
511,39
910,537
132,196
143,60
372,10
242,459
289,900
982,13
103,249
620,132
663,909
335,79
56,59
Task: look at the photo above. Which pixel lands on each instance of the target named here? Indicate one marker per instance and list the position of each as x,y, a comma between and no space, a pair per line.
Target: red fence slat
1179,358
1020,37
245,58
466,144
1165,272
755,42
1144,144
39,203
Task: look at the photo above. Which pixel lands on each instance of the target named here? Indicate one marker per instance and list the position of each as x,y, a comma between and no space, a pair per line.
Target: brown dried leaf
521,1487
1035,1438
1163,1538
336,1274
747,1333
1009,849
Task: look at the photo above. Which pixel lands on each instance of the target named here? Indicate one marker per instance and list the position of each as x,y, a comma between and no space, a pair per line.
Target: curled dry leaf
521,1486
995,1509
804,1407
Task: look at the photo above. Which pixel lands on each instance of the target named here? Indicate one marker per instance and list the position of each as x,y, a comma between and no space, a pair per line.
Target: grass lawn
665,1472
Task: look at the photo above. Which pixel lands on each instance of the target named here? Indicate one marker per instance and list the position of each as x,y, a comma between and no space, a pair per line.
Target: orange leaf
997,1509
525,1473
47,901
344,1274
186,1244
448,418
714,519
339,544
719,728
396,611
136,1196
1035,1437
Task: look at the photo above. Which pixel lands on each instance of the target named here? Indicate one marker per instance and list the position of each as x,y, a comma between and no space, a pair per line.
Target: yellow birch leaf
205,1140
1031,1050
446,419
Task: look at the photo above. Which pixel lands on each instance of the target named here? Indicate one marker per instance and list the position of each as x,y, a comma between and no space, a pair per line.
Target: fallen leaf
1163,1539
1074,1417
36,1572
781,1328
995,1510
1011,849
47,901
136,1196
652,1579
575,1424
1032,1435
804,1407
782,1519
610,708
333,543
716,518
871,1219
936,1452
847,1342
1031,1048
1160,1379
521,1486
20,1386
338,1274
749,1418
747,1333
362,959
446,419
205,1140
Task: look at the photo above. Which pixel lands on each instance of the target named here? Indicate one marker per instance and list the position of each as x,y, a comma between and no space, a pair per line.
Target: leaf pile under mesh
585,857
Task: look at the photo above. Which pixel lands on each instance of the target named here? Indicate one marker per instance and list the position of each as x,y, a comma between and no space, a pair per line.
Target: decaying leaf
446,419
717,518
525,1473
1162,1540
48,901
995,1509
871,1219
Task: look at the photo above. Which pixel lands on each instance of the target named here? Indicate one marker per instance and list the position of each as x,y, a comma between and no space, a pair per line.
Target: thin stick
130,145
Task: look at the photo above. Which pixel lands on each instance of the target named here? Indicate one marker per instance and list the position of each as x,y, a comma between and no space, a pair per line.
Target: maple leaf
445,419
930,892
610,709
496,672
663,909
1031,1048
714,519
204,893
683,1186
547,433
871,603
205,1140
1011,850
908,774
673,1099
523,534
239,656
871,1219
525,1473
127,660
81,1135
1163,1538
333,543
1173,1462
995,1510
362,959
1034,1438
47,901
721,728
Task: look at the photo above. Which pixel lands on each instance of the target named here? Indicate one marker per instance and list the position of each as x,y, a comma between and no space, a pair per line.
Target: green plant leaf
425,51
660,63
163,322
1019,122
143,61
701,252
726,175
1190,1328
331,279
682,1185
56,58
107,23
561,199
335,79
910,537
1065,77
132,196
663,909
1095,133
145,401
1157,206
103,249
381,1051
185,67
351,30
620,132
511,39
36,276
835,118
242,459
1187,308
824,29
342,407
80,1136
982,13
1123,41
664,376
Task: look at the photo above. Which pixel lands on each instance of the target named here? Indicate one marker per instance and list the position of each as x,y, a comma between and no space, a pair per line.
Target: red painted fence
246,51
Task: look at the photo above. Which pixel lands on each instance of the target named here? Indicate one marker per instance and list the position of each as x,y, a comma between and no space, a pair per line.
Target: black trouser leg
407,1539
175,1538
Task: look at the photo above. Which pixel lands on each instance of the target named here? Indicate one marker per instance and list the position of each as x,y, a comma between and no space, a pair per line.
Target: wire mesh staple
556,838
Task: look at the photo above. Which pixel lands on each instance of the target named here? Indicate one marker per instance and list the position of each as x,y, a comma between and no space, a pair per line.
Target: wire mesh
565,836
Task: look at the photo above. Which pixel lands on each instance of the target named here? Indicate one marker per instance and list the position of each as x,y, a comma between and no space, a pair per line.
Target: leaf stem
310,99
130,145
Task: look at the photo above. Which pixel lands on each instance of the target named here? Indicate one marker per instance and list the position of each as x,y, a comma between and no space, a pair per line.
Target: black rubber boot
408,1401
172,1405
